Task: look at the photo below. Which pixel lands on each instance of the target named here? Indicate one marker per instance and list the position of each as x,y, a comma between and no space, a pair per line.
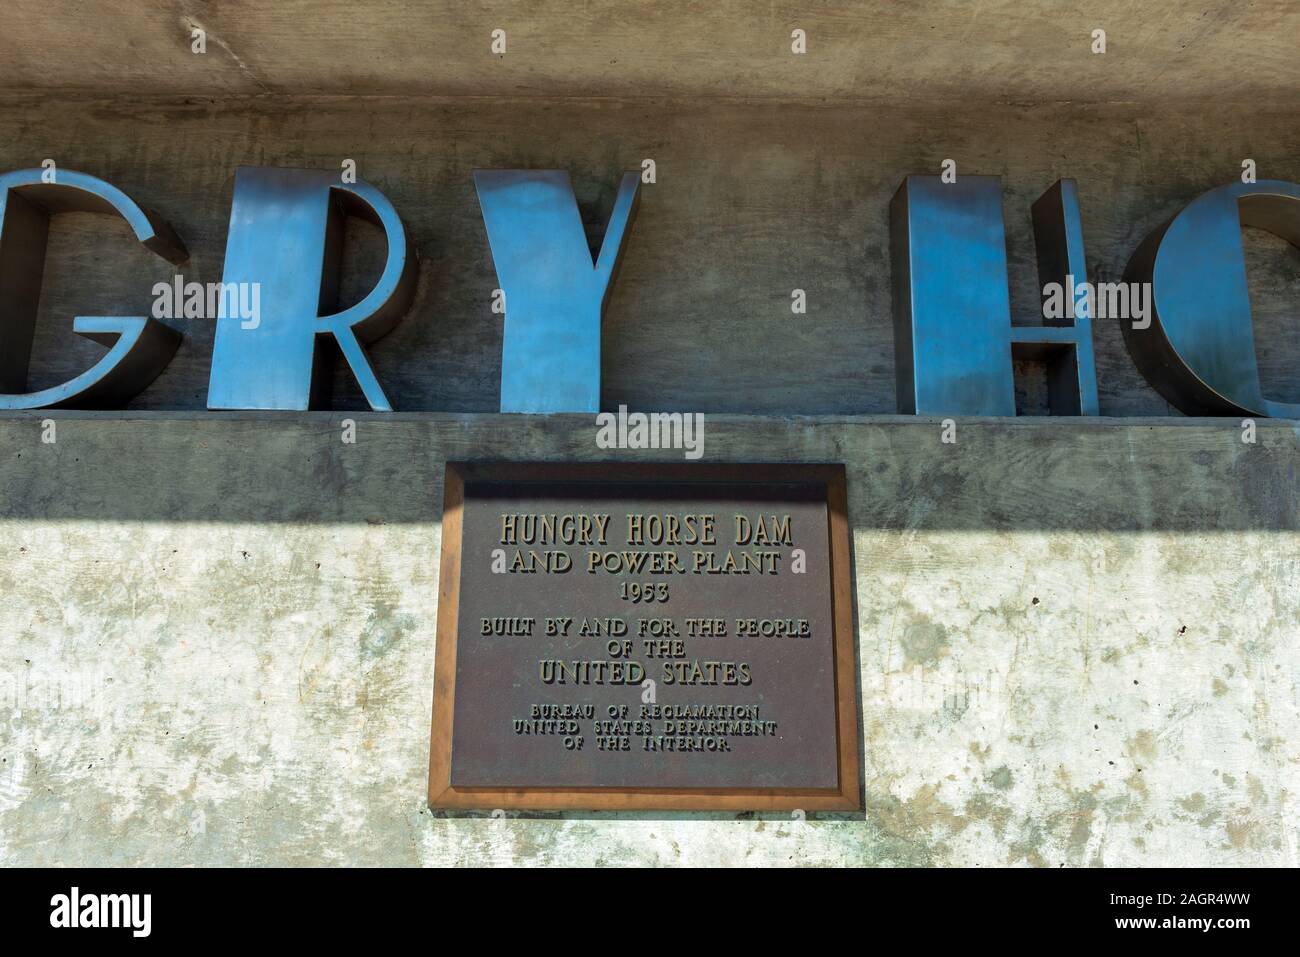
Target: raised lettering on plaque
645,636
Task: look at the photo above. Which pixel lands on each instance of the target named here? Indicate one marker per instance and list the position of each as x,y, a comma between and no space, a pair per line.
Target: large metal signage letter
286,232
555,295
139,346
953,338
1063,344
1199,349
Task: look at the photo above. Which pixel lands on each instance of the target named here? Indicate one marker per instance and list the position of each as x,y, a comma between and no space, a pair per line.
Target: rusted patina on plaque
647,631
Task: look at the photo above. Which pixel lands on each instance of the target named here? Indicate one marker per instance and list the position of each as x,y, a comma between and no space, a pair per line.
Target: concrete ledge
1021,473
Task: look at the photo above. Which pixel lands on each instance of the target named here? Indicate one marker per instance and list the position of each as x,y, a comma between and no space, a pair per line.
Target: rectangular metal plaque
644,636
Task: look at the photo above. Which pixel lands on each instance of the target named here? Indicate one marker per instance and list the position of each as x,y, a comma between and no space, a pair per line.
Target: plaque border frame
846,797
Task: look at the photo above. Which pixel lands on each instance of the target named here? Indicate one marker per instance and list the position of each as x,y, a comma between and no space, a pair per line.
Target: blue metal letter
286,228
139,346
555,296
953,338
1065,347
1199,349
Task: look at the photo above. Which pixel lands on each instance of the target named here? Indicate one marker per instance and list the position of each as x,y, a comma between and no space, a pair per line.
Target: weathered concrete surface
1078,643
752,201
874,49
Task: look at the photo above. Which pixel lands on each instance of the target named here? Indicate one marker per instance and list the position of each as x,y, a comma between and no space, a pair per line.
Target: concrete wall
1077,643
1077,639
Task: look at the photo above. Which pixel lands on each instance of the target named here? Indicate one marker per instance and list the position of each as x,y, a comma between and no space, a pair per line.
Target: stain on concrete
1000,778
924,643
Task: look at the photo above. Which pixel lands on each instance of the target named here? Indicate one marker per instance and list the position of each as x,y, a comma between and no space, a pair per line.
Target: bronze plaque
644,636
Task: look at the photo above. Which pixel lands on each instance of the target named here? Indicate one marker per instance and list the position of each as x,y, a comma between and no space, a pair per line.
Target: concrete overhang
1005,50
